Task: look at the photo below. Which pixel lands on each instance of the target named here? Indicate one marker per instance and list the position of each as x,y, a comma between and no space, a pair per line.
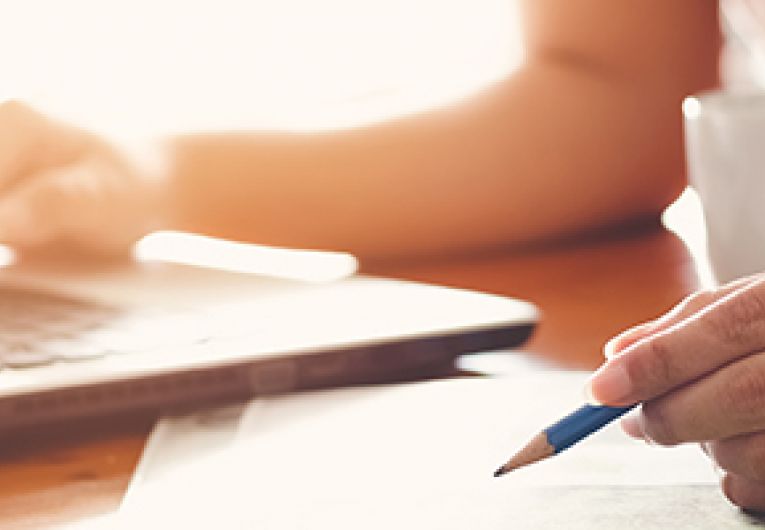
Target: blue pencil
563,434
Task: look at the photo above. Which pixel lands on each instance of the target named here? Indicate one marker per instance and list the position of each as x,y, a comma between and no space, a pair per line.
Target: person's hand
700,373
64,189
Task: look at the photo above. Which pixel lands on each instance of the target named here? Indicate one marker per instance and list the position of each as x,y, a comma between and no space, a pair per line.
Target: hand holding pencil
699,372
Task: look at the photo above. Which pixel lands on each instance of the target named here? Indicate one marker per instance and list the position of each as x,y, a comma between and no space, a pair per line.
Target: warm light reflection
7,256
201,251
685,217
691,108
152,67
101,522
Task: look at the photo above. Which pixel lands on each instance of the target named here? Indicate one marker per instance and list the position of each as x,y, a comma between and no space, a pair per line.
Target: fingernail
610,385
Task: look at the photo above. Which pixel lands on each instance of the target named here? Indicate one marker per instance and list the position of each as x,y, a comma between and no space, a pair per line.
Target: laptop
158,336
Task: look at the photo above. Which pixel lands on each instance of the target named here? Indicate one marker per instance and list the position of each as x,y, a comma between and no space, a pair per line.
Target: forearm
574,140
586,134
523,162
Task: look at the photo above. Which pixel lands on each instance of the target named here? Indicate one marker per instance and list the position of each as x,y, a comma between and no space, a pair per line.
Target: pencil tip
537,449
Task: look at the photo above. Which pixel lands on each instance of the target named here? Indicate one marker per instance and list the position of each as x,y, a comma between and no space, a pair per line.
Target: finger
23,142
30,214
742,455
102,207
631,426
726,403
689,306
19,131
19,226
30,142
88,206
743,492
726,330
628,337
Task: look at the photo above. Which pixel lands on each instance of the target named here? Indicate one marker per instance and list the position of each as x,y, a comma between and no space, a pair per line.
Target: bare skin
586,134
699,372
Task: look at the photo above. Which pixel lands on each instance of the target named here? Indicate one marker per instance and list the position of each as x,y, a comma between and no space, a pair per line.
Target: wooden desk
587,293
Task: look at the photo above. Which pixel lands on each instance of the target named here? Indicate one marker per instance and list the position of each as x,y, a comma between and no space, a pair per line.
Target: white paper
422,456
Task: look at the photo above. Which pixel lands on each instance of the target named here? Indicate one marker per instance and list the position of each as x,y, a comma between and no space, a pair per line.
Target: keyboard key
39,328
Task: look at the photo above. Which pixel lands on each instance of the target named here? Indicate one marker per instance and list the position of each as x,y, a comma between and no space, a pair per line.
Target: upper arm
673,42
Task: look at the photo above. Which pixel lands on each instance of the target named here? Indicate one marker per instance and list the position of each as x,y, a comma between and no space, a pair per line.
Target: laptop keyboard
40,328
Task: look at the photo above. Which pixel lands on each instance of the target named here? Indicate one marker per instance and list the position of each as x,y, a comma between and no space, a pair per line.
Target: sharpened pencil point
537,449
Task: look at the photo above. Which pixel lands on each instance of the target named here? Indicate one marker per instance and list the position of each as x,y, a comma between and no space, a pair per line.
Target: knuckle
742,318
658,424
743,398
699,299
653,370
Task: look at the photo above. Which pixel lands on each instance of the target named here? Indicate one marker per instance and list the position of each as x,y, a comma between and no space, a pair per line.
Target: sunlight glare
691,108
167,67
685,217
202,251
7,256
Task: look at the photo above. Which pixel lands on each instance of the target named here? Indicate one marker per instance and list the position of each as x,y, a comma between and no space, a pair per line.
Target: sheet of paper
421,456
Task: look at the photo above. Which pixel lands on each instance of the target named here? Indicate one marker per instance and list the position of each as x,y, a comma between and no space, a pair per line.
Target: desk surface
586,292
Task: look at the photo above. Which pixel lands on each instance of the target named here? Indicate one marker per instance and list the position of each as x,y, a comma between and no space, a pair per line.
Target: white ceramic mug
725,150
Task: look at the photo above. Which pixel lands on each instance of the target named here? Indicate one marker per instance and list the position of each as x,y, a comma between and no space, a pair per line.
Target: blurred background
159,67
146,68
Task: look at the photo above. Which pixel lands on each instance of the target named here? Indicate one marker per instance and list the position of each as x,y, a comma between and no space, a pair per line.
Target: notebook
414,456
